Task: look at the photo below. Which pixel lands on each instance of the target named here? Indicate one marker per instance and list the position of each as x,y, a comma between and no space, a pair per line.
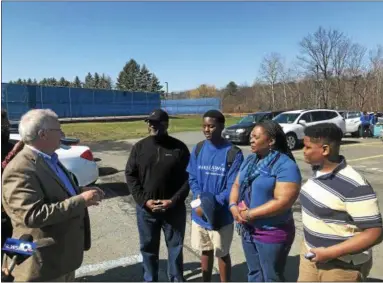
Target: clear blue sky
184,43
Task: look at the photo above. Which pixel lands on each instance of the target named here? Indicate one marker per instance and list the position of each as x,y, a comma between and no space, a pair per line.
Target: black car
240,133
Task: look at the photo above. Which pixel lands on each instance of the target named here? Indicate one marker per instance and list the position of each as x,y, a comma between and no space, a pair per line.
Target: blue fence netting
70,102
190,106
76,102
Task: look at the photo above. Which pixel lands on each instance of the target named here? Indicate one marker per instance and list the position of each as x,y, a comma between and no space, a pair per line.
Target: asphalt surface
115,254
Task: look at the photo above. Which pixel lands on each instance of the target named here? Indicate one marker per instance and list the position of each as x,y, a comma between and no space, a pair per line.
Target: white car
352,121
294,123
77,159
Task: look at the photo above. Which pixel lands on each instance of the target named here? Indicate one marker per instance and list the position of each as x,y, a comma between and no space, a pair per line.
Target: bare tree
270,71
331,71
317,51
376,62
359,76
285,78
340,59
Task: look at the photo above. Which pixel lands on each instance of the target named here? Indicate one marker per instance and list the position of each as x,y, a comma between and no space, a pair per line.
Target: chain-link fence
80,102
76,102
190,106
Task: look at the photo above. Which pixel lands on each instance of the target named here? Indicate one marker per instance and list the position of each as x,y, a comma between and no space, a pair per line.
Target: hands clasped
160,205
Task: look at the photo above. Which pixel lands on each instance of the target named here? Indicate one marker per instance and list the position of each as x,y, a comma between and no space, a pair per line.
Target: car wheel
292,141
357,133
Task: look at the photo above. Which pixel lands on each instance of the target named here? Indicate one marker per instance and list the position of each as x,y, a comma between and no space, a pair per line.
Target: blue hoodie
373,119
365,119
208,173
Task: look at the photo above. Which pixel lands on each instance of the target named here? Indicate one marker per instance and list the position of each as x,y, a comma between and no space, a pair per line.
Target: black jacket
156,169
6,225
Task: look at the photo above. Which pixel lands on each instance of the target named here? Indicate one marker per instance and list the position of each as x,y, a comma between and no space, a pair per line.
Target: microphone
19,249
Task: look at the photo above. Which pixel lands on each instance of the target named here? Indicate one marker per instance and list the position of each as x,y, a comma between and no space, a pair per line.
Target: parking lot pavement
115,252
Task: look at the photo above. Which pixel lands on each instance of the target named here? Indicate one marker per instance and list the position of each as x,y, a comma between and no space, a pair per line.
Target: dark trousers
366,131
266,262
6,230
173,224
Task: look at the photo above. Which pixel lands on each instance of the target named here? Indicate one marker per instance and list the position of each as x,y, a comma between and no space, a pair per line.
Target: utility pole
167,89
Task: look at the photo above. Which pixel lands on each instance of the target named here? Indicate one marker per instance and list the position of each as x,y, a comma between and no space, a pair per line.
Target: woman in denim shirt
261,199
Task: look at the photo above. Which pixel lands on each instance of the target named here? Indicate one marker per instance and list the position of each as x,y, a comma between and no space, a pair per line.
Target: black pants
366,131
173,224
6,229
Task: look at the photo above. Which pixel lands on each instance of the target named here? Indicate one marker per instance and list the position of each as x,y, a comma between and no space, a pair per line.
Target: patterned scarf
255,166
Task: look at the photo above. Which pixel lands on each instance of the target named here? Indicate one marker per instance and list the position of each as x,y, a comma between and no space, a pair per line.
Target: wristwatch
232,204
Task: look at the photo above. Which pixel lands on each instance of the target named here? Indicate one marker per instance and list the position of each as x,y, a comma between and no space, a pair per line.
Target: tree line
330,71
132,77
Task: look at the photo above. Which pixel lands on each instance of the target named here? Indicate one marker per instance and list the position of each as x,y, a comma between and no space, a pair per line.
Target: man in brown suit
42,200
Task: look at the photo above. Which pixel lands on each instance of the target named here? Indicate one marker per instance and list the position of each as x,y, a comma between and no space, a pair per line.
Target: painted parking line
350,145
362,144
366,158
106,265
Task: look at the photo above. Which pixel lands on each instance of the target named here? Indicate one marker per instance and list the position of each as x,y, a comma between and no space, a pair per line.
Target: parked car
240,132
294,123
14,127
353,123
77,159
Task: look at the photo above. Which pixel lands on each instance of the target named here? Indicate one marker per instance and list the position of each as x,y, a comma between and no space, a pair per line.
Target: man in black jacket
157,178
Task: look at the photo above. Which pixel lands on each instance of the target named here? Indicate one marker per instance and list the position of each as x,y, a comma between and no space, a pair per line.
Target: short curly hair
328,133
215,114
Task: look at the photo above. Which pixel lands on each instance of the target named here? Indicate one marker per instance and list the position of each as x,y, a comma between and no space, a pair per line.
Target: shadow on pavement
116,188
344,142
132,273
106,171
373,280
239,272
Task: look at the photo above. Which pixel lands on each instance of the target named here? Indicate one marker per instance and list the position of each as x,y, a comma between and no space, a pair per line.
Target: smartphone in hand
309,255
195,203
158,207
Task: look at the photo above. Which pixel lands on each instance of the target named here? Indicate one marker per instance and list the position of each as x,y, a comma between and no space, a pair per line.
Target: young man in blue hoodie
365,125
213,167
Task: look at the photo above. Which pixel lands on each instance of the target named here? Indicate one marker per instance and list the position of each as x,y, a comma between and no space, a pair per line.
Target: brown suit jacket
38,204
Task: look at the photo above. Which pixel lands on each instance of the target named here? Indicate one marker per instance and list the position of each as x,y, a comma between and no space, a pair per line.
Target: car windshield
352,115
286,118
251,118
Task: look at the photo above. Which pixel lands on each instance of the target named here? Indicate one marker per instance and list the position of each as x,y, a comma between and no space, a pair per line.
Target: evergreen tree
89,81
128,77
96,80
155,85
76,82
144,79
105,82
63,82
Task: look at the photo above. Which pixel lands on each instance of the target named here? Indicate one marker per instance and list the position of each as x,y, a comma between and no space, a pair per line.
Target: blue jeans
266,262
173,224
